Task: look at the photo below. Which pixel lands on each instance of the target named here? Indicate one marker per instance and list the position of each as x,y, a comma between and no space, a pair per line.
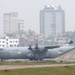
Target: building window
3,45
7,43
11,46
15,45
6,39
10,41
16,41
3,41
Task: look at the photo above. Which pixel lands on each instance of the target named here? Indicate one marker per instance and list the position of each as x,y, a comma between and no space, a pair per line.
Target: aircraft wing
51,47
43,48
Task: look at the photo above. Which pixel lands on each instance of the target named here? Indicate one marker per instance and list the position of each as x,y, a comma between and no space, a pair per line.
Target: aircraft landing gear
31,59
2,59
36,59
41,59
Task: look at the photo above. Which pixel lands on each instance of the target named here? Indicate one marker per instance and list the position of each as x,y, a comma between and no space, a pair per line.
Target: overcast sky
29,12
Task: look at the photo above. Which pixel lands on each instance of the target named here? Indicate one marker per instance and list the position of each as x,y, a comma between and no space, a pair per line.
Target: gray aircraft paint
25,53
36,52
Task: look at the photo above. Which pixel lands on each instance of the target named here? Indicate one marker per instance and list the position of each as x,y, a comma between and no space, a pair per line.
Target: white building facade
8,42
52,21
10,22
60,40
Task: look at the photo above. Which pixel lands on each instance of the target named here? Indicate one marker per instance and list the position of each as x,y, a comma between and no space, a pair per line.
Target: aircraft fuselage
25,53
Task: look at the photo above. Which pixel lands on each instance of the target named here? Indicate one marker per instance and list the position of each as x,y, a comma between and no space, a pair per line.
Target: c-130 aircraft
37,53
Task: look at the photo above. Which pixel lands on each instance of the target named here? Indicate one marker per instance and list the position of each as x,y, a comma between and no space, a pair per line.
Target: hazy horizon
29,12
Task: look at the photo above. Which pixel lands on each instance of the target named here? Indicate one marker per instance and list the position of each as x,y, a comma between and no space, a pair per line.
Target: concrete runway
12,67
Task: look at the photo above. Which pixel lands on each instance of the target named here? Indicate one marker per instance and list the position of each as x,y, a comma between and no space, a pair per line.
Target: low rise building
9,42
59,40
31,38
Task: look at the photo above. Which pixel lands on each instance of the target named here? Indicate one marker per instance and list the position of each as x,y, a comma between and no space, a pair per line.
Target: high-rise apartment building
52,20
21,25
10,22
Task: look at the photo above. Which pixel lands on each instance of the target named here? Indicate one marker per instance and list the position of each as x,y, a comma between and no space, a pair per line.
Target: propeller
36,47
30,48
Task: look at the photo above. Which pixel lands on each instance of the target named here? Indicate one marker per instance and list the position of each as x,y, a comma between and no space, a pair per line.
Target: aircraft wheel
31,59
41,59
2,59
36,59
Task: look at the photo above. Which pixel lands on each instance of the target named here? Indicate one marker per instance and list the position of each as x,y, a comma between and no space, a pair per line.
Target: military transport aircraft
36,53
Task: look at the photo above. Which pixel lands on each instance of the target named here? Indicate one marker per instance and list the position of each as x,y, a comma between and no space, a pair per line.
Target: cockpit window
1,49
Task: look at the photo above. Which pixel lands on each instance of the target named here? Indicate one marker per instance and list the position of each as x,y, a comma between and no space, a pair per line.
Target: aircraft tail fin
72,41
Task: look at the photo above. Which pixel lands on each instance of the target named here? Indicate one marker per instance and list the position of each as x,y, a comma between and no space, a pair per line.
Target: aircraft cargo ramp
70,56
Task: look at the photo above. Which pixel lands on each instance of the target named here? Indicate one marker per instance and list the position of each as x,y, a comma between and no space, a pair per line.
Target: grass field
42,71
30,63
67,70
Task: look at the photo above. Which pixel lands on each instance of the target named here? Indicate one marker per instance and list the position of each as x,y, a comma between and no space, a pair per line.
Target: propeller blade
30,48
